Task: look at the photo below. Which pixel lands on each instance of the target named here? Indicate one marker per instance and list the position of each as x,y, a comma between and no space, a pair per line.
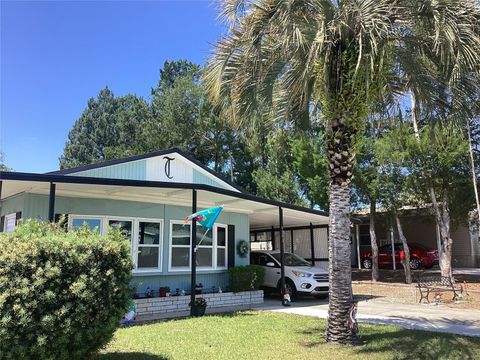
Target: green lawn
264,335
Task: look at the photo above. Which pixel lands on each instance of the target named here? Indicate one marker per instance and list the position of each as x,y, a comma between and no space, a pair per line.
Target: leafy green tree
367,187
277,179
132,113
310,165
290,56
3,167
92,133
393,189
439,162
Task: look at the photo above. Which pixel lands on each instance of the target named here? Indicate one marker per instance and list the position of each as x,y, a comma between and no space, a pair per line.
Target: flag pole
203,237
194,254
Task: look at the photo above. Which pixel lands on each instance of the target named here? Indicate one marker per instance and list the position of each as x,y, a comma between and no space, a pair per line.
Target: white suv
300,276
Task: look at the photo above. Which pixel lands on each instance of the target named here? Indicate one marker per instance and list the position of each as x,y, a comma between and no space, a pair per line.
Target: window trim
170,247
137,245
224,226
134,243
5,222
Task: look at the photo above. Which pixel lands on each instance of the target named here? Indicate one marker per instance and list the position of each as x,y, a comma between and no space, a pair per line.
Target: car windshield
292,260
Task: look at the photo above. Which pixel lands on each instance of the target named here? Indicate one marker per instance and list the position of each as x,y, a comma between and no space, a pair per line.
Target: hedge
62,294
246,278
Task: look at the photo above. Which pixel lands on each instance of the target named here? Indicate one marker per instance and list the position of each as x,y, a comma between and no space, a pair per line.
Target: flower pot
163,293
199,310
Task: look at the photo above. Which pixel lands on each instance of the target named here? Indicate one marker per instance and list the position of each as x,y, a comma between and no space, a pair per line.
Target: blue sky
56,55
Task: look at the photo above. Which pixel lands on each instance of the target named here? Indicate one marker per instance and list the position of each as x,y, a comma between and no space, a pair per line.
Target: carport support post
194,252
282,251
51,203
312,244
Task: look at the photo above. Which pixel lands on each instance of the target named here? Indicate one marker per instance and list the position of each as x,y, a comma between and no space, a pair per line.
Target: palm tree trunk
373,241
406,250
340,328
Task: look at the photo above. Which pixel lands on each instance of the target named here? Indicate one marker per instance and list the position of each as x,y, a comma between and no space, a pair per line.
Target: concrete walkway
410,316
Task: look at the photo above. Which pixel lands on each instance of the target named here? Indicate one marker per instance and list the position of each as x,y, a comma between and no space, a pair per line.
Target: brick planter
163,307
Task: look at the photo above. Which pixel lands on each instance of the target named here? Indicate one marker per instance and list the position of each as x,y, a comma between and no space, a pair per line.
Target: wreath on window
242,248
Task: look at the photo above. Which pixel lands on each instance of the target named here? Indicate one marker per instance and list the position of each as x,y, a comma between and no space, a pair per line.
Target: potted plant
164,290
199,306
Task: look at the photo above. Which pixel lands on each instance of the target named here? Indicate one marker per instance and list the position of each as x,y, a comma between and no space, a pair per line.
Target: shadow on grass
403,343
130,356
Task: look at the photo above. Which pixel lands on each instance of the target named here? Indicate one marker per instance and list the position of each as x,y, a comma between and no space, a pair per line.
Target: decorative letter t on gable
167,166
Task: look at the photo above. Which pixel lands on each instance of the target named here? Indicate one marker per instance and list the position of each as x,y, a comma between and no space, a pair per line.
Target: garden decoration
130,316
198,288
149,293
242,248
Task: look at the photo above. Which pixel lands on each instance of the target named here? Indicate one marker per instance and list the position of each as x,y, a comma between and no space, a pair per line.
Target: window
180,245
144,235
211,249
205,247
124,226
10,222
93,223
148,250
221,246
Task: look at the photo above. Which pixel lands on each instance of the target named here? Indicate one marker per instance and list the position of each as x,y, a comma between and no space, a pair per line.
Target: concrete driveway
410,316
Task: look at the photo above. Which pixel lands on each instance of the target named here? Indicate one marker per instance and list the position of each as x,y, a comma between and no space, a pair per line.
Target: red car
419,256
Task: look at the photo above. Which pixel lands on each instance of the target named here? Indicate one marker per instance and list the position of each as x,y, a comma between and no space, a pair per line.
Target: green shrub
245,278
62,294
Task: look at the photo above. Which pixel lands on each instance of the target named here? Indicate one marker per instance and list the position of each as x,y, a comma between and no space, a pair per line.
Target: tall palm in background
291,57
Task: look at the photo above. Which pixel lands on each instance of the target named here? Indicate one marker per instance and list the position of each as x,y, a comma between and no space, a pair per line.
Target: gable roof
196,164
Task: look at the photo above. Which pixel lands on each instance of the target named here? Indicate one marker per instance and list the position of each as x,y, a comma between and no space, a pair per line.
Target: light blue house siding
137,170
36,206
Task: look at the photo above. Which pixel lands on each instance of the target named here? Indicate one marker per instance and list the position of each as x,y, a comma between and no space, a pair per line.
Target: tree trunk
373,241
340,329
442,216
406,250
474,175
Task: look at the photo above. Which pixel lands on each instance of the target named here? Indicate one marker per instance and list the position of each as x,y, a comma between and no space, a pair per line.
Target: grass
266,335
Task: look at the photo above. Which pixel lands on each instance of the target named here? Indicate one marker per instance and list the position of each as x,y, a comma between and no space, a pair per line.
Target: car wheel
367,263
414,264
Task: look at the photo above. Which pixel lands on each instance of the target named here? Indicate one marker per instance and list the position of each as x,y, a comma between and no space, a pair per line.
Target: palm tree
296,56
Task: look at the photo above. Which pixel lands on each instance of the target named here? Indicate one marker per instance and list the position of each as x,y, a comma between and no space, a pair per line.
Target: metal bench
436,283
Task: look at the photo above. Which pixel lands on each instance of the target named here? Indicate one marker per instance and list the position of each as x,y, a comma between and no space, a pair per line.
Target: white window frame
221,247
137,244
134,241
171,246
8,218
214,248
71,217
